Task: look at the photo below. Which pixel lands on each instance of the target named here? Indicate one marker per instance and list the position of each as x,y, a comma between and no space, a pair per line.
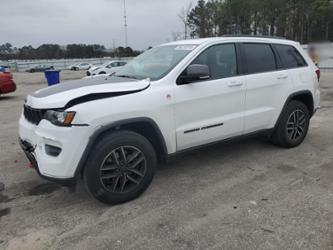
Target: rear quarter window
290,57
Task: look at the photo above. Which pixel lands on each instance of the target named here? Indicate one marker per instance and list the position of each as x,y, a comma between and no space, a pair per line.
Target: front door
211,109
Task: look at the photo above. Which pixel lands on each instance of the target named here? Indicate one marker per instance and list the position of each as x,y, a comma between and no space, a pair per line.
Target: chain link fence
60,64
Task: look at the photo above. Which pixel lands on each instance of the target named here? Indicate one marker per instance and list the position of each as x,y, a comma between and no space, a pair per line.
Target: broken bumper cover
53,151
28,149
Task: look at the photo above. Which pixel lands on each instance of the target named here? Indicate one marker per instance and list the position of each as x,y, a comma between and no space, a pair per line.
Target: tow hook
30,165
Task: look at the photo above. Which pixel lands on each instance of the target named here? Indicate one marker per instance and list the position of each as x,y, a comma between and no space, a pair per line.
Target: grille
33,115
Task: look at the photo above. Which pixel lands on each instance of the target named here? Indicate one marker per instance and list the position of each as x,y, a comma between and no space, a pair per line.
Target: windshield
105,64
156,62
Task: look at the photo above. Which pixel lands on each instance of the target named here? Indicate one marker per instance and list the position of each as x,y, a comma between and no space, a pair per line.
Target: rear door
267,84
294,62
211,109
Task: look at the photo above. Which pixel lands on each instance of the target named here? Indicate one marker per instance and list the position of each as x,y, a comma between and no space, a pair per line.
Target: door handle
235,84
282,77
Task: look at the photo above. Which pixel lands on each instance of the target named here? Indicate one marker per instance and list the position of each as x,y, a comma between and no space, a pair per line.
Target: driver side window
221,60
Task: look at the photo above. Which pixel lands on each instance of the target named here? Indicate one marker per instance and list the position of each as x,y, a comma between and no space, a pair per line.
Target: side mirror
193,73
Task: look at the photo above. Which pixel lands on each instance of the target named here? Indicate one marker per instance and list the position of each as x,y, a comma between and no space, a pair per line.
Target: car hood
71,93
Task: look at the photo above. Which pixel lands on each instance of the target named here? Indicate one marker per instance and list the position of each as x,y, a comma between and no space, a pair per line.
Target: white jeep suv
113,130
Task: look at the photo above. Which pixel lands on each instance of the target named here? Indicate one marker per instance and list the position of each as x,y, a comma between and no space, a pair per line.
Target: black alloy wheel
293,125
296,125
120,167
123,169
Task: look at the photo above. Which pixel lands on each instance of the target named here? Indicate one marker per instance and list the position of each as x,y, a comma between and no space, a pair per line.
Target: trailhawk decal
76,84
71,93
96,96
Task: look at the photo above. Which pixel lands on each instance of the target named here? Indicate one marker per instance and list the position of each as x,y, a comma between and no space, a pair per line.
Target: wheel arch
304,96
144,126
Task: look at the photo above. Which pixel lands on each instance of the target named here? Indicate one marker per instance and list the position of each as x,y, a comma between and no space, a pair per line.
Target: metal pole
125,24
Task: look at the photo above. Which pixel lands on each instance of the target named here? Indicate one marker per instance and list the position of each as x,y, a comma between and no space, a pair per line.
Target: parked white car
106,68
112,130
80,66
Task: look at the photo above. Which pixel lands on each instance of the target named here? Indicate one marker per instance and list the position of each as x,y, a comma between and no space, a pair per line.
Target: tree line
302,20
55,51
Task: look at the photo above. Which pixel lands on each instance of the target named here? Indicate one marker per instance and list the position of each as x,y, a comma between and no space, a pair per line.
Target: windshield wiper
126,76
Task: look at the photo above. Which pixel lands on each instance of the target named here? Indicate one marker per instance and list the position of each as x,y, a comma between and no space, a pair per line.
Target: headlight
60,118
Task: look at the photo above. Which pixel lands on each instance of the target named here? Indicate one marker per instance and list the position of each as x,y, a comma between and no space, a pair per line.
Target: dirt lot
243,195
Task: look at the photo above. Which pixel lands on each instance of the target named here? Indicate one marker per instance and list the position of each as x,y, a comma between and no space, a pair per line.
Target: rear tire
293,125
120,167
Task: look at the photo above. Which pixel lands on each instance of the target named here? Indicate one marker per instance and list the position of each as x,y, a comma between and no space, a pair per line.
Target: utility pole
113,44
125,24
114,48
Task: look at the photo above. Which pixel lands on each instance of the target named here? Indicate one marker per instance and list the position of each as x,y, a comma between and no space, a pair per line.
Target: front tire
293,125
120,167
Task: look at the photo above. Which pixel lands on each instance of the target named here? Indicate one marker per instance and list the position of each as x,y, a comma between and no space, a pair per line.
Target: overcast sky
34,22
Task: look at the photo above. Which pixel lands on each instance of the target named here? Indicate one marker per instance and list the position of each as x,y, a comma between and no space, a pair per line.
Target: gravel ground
243,195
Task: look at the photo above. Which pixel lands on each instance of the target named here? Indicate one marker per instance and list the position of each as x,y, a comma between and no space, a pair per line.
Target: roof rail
256,36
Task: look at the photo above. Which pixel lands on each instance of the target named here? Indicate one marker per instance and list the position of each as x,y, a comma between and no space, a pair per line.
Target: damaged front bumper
29,149
53,151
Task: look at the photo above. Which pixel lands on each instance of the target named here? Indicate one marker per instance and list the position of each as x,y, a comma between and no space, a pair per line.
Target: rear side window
290,57
221,60
260,58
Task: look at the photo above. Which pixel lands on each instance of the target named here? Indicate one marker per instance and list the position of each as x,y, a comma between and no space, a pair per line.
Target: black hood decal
75,84
97,96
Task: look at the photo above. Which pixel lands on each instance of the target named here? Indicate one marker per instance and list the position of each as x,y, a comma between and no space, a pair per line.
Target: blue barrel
52,77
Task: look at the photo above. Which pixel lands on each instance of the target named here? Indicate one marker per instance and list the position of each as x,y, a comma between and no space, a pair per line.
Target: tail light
318,74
